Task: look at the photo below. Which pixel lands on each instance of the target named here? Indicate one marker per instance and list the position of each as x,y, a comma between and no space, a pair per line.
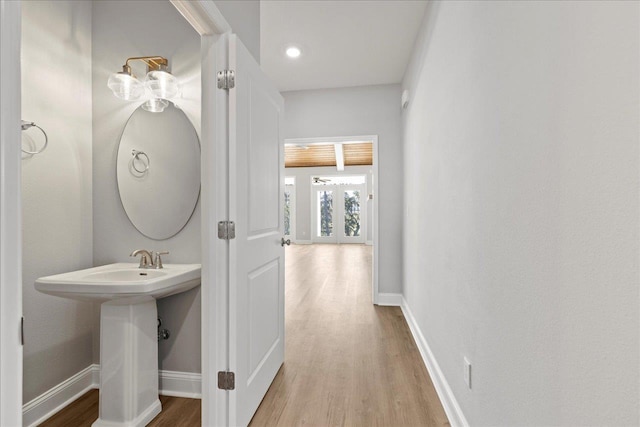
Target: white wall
122,30
56,187
244,18
303,178
521,153
367,110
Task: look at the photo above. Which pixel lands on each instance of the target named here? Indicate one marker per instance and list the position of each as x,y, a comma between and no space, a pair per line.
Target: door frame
376,233
10,216
214,30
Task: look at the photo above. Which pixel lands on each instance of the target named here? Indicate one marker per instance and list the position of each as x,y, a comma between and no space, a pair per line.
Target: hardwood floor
347,362
176,412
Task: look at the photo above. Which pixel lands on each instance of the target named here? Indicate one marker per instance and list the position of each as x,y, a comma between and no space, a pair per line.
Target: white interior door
256,257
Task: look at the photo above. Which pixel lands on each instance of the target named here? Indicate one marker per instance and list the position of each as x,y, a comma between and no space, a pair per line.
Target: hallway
347,362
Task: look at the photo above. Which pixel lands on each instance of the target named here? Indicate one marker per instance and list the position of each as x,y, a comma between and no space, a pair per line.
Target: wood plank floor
176,412
347,362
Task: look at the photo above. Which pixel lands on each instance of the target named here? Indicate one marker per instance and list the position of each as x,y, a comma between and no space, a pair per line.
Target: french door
339,213
290,208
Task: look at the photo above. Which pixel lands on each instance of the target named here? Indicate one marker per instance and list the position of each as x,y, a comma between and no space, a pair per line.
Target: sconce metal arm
153,63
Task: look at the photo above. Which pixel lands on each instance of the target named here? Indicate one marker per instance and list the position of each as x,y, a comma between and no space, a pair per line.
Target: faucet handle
158,260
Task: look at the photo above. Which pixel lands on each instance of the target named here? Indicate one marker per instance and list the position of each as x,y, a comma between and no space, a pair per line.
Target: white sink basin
128,331
121,280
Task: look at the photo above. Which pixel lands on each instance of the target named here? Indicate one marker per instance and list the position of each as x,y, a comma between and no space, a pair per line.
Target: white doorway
306,220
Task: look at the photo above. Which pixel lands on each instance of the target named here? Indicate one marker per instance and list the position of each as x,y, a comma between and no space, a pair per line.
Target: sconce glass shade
162,84
155,105
125,86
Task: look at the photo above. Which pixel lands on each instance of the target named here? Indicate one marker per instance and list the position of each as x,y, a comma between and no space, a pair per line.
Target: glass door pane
325,213
287,213
352,213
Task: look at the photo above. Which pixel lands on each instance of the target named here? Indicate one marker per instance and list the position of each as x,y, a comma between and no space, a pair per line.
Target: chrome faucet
146,259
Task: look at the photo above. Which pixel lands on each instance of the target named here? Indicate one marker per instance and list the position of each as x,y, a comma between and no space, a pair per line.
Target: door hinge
226,230
226,380
226,79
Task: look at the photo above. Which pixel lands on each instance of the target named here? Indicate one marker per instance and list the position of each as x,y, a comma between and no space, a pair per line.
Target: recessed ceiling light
293,52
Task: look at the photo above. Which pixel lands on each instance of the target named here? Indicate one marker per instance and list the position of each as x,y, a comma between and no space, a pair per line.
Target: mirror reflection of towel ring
26,125
136,156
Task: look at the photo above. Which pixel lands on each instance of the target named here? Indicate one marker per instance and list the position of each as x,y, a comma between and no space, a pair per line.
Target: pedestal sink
128,331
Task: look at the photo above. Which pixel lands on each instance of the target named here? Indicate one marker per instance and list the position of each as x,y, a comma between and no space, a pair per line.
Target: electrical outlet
467,372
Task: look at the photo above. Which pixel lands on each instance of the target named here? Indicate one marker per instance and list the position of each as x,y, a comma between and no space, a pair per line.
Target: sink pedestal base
128,363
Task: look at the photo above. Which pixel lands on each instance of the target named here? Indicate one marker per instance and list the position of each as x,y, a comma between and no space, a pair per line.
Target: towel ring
25,126
136,156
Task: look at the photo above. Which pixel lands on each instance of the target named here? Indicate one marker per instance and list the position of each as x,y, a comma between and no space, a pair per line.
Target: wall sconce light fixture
159,82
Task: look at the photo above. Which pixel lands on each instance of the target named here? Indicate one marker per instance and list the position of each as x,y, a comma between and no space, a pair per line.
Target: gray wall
56,187
522,206
244,18
367,110
303,178
122,30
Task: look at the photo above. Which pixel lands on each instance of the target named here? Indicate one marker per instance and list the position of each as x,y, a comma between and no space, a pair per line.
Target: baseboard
390,299
449,402
55,399
302,242
181,384
369,243
171,383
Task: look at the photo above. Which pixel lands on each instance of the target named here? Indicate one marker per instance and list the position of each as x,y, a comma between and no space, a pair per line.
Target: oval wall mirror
158,171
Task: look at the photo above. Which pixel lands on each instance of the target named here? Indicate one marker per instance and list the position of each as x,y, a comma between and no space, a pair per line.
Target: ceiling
354,154
344,43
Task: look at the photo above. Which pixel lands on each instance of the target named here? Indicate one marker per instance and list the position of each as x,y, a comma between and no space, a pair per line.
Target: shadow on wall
177,311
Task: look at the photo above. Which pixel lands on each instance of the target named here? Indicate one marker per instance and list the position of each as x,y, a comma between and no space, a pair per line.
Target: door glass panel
287,213
352,213
325,213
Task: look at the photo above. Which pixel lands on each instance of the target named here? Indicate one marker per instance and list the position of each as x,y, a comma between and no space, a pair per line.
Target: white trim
49,403
207,20
332,140
180,384
449,402
303,242
390,299
204,16
54,400
369,243
376,161
10,216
